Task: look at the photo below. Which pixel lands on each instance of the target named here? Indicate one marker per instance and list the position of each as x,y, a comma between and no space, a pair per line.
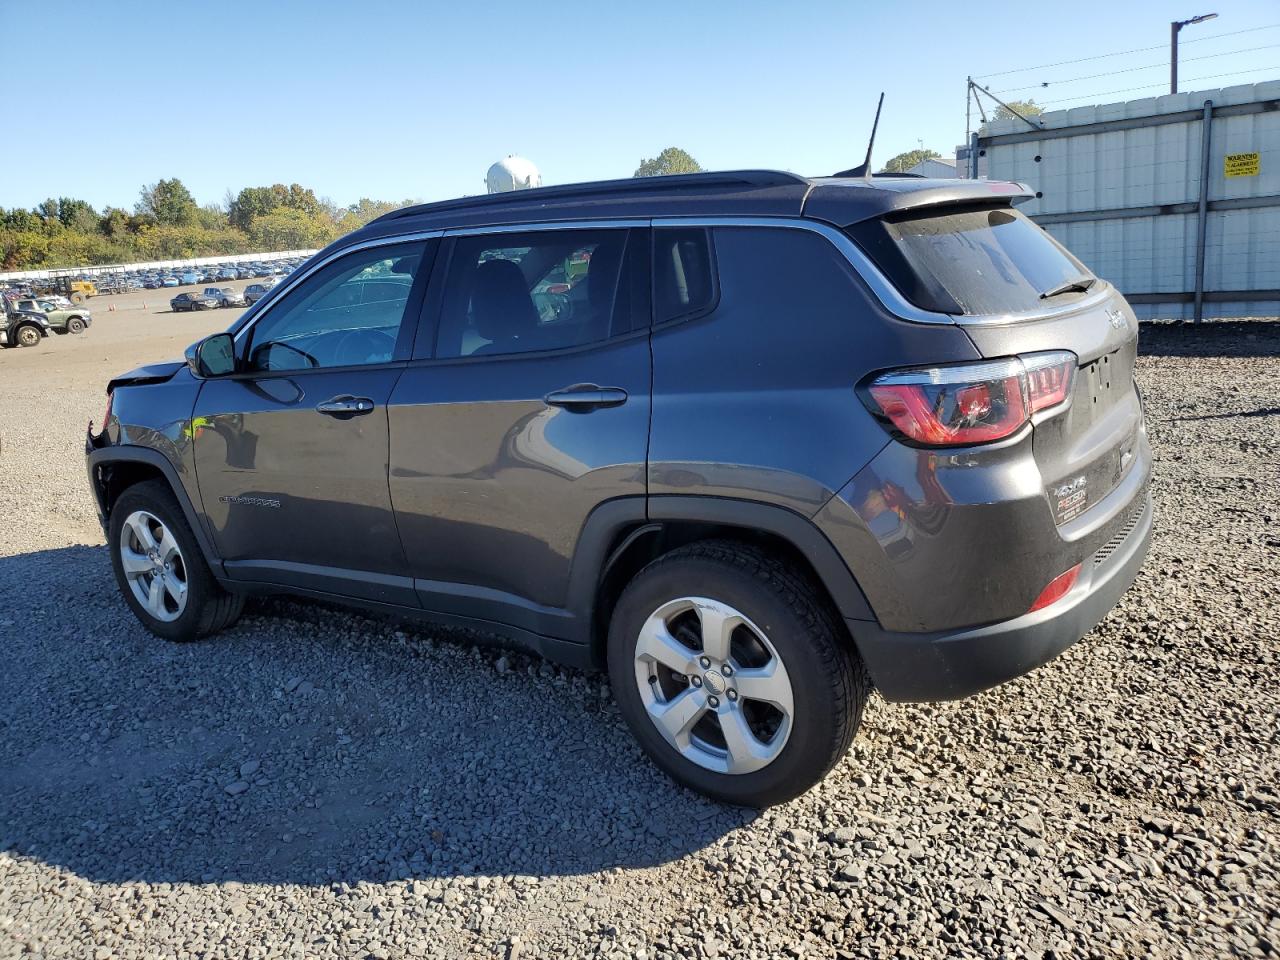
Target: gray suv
756,444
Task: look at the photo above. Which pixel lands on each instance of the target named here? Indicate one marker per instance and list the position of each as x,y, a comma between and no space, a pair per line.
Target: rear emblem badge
1116,317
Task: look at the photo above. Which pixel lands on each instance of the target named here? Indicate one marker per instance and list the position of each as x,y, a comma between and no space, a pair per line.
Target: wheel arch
112,470
625,546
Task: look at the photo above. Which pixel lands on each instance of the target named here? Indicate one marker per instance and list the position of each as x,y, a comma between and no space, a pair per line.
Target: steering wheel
364,346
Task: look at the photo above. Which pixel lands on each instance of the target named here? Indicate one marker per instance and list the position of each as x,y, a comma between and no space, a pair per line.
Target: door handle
345,406
585,397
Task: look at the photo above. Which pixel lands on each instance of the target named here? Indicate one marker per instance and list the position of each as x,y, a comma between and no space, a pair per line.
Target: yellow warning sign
1241,164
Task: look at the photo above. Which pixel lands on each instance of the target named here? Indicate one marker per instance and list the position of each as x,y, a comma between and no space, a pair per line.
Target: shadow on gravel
307,746
1213,338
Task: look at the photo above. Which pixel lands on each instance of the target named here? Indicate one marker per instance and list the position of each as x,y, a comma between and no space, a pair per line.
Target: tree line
167,224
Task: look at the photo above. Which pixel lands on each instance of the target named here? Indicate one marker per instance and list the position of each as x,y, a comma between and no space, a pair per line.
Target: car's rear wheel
75,325
28,336
734,673
160,569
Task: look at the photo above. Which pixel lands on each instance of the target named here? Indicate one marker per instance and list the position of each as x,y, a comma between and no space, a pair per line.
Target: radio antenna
864,170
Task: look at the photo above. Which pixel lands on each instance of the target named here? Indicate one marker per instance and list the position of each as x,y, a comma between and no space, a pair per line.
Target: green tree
1028,108
254,202
47,210
19,220
905,161
169,202
114,223
250,204
77,215
366,211
286,229
670,160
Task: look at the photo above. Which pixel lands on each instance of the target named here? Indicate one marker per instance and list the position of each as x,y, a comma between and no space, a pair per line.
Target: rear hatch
1016,291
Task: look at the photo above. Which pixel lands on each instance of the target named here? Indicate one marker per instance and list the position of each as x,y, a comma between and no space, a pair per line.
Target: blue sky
415,100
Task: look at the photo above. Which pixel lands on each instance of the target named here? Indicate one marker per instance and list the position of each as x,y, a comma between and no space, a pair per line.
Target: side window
350,312
683,275
515,293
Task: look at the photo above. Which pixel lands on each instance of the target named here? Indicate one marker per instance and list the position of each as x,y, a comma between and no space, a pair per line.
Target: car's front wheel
28,336
75,325
160,569
734,673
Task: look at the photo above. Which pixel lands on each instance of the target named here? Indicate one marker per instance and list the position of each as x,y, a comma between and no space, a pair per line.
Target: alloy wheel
713,685
153,565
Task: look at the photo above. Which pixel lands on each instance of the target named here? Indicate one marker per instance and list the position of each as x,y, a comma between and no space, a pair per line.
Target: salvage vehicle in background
256,291
61,320
226,296
23,328
192,301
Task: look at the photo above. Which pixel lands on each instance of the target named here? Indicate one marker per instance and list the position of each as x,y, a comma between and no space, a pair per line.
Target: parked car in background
23,328
170,281
226,296
256,291
227,273
61,320
192,301
189,278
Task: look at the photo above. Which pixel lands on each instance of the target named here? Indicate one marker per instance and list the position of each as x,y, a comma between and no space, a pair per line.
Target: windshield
971,261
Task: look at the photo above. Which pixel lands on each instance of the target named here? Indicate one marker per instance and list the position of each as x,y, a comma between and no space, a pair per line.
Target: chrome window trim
884,290
274,295
892,300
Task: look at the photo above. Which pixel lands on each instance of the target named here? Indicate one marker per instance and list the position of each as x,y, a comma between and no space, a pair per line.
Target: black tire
209,608
75,325
28,335
829,682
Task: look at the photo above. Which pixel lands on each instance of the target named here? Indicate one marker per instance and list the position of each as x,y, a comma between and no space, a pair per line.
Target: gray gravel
318,784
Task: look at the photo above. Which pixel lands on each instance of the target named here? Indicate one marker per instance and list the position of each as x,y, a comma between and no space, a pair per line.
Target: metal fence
1175,199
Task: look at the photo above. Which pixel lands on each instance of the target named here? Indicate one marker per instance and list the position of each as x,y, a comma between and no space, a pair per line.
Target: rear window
970,261
683,278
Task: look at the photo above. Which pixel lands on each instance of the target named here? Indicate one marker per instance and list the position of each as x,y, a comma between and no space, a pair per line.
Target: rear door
291,453
525,408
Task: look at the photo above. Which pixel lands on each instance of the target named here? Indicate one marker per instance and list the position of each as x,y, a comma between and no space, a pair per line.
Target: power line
1152,66
1121,53
1149,86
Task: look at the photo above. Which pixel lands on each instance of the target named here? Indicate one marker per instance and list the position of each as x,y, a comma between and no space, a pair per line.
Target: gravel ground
318,784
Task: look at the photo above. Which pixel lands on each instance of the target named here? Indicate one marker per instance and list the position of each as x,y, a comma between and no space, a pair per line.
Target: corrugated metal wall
1100,193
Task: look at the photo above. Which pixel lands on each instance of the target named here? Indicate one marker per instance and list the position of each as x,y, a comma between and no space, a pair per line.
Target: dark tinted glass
348,313
684,281
515,293
970,261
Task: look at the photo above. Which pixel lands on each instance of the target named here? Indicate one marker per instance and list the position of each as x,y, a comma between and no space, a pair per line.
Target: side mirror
214,356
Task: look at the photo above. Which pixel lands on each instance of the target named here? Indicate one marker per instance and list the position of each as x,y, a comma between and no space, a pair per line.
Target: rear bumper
923,667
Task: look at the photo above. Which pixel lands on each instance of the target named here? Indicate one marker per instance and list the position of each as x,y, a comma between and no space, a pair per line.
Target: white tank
513,173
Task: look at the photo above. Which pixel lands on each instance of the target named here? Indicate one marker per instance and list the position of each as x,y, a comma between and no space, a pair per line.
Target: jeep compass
754,443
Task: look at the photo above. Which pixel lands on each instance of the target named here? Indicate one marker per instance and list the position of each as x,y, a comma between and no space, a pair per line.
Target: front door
292,450
527,410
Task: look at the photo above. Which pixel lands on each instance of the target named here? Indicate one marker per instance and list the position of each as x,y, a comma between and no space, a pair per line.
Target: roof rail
749,179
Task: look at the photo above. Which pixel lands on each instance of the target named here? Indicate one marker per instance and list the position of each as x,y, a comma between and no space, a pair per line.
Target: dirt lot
318,784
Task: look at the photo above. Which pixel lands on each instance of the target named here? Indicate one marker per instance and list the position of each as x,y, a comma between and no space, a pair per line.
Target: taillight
1058,588
974,402
1048,378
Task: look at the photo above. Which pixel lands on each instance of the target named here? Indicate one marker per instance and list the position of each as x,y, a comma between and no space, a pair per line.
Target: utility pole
1174,29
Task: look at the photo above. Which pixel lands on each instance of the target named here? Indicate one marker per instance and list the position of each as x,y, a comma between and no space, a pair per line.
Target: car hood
151,373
